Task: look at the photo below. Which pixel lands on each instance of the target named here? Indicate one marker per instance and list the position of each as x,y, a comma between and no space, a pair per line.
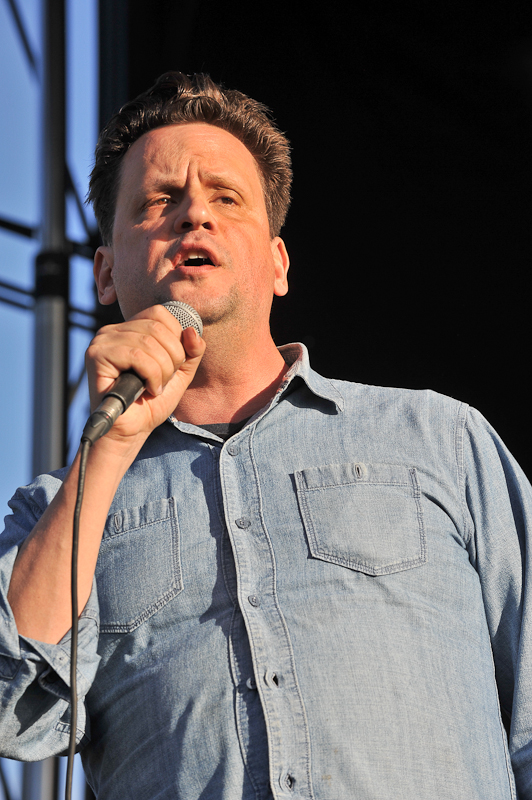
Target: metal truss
49,298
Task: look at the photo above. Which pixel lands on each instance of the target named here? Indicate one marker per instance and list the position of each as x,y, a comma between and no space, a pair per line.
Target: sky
20,188
20,143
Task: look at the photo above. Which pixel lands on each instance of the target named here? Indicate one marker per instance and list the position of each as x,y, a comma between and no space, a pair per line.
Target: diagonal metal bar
74,320
79,204
24,298
16,296
79,248
84,249
23,36
16,303
17,227
73,386
17,289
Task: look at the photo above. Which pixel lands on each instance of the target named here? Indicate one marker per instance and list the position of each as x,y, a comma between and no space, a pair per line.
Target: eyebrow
164,183
216,179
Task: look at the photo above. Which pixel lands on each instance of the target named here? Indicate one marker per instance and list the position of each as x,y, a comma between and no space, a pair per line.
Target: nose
194,212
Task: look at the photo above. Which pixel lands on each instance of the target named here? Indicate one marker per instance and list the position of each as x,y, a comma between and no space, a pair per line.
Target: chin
213,310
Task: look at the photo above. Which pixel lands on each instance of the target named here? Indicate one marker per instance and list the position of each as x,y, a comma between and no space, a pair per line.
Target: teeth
196,256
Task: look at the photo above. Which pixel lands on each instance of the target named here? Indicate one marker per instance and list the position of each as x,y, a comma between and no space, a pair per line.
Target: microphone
128,386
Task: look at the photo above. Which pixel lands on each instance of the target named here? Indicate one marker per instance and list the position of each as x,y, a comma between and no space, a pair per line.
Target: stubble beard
212,310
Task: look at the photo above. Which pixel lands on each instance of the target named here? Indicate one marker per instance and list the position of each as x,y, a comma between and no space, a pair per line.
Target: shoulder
400,401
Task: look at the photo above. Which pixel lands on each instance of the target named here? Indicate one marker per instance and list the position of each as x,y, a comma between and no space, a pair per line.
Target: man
307,588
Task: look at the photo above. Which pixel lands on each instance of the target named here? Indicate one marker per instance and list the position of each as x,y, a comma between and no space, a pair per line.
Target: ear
103,275
281,262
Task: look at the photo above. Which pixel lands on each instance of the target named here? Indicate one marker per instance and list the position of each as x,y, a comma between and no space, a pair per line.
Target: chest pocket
366,517
138,569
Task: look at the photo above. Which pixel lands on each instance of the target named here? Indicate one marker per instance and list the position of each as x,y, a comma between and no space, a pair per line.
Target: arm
153,344
499,506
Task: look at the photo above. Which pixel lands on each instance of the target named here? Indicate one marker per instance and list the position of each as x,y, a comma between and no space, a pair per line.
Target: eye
226,200
158,201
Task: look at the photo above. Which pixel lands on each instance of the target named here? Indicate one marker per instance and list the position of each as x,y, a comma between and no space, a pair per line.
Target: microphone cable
126,389
84,453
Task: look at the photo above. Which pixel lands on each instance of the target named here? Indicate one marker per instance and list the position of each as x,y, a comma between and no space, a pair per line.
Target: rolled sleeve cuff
35,689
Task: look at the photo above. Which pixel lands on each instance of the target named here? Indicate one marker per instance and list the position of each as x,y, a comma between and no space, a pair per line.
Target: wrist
113,454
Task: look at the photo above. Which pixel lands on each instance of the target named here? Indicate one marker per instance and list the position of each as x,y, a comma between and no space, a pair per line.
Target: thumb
194,347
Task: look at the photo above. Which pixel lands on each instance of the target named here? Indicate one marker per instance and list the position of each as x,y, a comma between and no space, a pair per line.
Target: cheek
252,249
137,253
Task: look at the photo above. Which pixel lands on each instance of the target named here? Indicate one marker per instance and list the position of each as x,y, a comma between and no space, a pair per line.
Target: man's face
191,225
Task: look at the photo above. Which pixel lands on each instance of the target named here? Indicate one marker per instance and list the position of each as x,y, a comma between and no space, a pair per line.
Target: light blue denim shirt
329,605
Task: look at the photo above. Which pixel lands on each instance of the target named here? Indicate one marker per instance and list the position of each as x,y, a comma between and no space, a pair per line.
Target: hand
155,346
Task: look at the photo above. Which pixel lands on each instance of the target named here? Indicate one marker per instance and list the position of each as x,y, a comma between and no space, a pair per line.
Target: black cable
84,452
125,390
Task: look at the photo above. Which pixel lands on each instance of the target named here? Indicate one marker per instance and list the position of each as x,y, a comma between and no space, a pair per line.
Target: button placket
268,639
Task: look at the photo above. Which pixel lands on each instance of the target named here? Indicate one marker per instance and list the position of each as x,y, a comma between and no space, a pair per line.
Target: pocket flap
363,516
138,569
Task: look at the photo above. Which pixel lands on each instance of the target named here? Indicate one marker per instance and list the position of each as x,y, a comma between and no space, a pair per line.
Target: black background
410,227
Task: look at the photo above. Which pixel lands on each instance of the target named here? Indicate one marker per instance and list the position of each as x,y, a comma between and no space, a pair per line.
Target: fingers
193,344
152,343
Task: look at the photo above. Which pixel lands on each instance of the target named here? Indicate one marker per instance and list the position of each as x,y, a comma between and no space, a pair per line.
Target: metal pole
51,280
40,780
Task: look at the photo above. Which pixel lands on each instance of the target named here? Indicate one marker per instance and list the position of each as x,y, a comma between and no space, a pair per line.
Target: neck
233,381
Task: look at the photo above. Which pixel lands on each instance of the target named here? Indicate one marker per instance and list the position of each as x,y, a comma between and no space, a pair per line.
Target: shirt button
287,781
233,449
243,522
251,683
254,600
272,679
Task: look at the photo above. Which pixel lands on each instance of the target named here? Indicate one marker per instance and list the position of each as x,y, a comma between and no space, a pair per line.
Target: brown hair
177,98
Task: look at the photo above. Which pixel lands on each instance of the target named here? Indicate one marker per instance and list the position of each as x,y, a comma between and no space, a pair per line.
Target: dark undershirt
225,429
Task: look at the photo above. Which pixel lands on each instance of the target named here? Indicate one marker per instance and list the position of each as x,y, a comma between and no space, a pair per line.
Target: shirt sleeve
35,676
498,500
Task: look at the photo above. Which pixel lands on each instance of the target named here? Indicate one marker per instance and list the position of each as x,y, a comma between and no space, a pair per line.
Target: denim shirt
332,604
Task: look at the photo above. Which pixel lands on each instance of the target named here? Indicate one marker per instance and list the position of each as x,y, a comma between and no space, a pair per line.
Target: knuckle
136,354
148,341
103,331
155,327
92,351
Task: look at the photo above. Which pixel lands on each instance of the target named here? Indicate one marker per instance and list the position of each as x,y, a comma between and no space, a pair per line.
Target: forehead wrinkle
165,157
168,163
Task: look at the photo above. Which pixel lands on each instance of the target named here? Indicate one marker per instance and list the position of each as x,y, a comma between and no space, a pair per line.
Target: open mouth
197,261
198,258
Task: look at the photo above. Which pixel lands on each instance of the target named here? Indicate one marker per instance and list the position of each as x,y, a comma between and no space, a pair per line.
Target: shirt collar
297,357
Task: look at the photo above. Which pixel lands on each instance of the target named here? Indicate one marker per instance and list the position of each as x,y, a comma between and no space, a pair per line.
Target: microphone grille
185,314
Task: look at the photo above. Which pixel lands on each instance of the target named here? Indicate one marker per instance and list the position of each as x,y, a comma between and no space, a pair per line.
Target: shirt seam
460,427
